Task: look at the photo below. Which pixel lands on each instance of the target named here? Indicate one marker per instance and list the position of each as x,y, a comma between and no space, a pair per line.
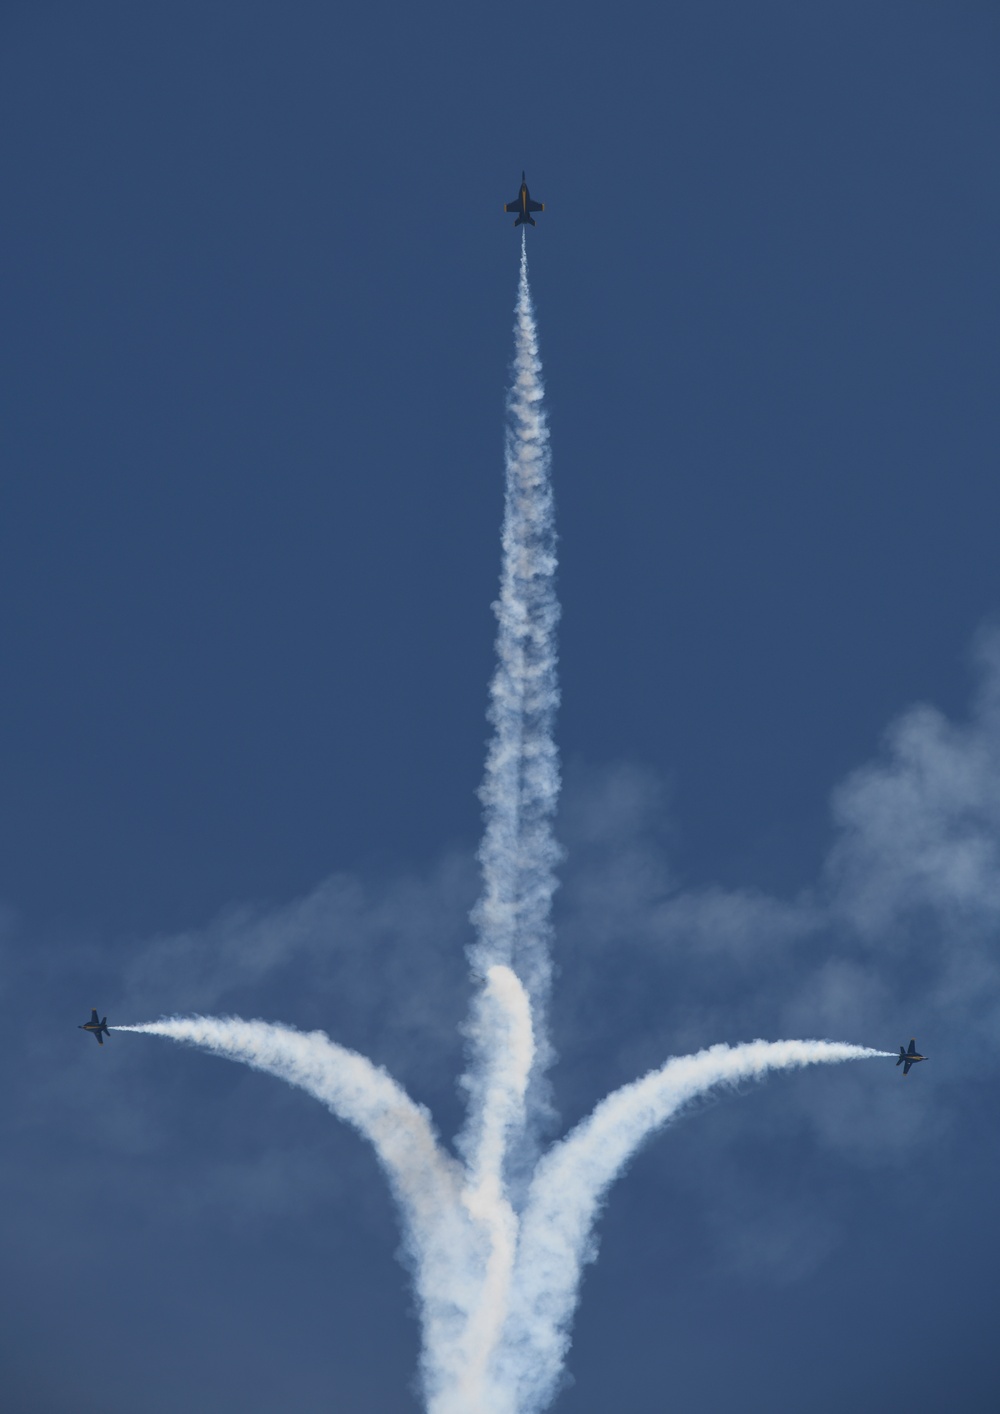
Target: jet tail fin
902,1056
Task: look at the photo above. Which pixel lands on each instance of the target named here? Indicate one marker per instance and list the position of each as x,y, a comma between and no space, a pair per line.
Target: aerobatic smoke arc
495,1235
573,1178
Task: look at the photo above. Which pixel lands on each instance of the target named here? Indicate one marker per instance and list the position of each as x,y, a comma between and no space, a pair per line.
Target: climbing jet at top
910,1057
524,205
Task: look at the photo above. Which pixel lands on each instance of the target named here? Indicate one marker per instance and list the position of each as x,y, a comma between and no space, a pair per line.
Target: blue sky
257,325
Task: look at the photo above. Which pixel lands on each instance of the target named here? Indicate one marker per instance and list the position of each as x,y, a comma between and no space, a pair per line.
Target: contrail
424,1179
459,1226
496,1236
520,788
502,1026
572,1179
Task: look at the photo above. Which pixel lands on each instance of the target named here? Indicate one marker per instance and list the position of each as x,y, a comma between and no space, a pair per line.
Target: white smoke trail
497,1292
520,788
497,1258
571,1181
502,1025
425,1180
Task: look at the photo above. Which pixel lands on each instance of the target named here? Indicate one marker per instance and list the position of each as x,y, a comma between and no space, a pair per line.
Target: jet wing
100,1038
95,1020
513,207
534,205
906,1066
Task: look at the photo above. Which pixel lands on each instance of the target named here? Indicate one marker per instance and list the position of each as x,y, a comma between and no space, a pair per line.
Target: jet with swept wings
910,1057
524,205
96,1027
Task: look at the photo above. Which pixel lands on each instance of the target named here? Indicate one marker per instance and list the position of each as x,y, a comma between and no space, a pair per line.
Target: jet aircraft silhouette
95,1027
523,204
910,1057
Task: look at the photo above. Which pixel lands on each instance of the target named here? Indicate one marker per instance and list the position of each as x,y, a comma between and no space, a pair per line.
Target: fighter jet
910,1057
95,1027
523,204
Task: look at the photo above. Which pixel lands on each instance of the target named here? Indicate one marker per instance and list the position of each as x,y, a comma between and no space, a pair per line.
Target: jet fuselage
909,1057
98,1028
524,205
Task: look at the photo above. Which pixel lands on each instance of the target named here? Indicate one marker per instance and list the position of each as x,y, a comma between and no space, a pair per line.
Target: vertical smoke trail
497,1099
572,1179
519,854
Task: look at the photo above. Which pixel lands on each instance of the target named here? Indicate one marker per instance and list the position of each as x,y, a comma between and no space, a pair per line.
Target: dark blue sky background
256,315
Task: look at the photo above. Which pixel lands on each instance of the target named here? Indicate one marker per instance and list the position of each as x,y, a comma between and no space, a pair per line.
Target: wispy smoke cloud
496,1240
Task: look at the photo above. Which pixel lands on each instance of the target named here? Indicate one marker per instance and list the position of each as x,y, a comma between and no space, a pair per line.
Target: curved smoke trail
424,1179
520,788
572,1179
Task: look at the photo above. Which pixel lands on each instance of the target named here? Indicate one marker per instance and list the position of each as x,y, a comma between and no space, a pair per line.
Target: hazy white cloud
384,959
919,828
